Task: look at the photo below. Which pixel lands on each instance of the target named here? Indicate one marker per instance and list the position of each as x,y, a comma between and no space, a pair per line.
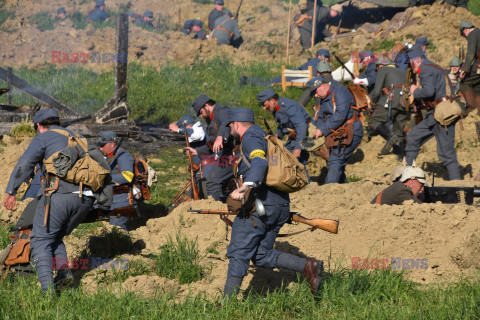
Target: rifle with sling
341,18
191,169
343,65
267,126
238,11
316,223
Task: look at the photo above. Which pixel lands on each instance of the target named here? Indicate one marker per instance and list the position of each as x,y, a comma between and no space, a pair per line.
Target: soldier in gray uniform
335,112
454,74
386,95
323,14
253,236
216,13
98,14
147,20
433,88
61,14
409,187
226,29
216,155
121,165
471,68
324,70
292,120
67,209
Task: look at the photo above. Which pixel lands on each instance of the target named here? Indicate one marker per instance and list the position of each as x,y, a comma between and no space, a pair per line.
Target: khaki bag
300,19
85,171
285,173
449,110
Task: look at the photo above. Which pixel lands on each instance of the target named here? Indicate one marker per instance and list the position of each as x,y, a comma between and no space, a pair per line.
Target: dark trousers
255,243
423,132
217,177
67,210
398,116
337,161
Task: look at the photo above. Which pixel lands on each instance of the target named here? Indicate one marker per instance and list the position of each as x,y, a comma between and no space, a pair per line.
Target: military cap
316,82
105,137
200,102
265,95
337,7
227,12
465,25
61,10
185,121
455,62
240,114
220,2
188,24
197,23
324,66
148,14
324,53
365,54
422,41
415,52
414,173
99,3
43,114
384,61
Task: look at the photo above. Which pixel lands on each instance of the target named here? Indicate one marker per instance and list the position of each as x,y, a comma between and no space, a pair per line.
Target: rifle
465,195
390,102
238,11
316,223
113,157
343,65
269,130
97,214
191,169
341,17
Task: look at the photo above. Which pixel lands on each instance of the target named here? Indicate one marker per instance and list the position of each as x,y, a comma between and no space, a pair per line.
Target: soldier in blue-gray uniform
197,28
147,20
253,236
216,155
216,13
121,165
98,14
336,111
322,55
370,75
324,70
187,27
226,30
66,210
422,43
433,87
292,120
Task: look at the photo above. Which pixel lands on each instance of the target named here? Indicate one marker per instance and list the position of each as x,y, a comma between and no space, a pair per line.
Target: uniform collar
277,108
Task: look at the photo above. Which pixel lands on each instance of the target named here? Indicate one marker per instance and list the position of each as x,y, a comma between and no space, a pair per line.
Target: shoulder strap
449,85
223,29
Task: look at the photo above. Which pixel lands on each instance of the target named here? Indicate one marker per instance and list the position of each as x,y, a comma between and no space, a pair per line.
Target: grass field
164,95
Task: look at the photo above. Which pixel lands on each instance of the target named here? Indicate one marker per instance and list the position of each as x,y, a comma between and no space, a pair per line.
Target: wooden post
284,79
121,47
9,85
288,32
179,20
314,22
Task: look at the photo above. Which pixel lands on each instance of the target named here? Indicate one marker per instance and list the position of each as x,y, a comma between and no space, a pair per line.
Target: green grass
43,20
179,259
5,14
474,7
154,95
354,178
24,129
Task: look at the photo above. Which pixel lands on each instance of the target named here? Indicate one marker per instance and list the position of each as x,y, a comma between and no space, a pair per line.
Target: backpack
285,173
85,171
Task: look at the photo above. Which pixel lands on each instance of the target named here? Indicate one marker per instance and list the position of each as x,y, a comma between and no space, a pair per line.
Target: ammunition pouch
20,249
343,136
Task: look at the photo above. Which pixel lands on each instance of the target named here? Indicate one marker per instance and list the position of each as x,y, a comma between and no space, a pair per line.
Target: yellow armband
257,153
128,175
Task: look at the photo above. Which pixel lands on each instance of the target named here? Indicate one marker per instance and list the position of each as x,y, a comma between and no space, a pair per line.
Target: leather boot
313,273
399,149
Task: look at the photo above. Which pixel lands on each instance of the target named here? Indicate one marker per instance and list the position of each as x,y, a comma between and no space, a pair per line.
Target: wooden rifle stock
191,169
267,126
317,223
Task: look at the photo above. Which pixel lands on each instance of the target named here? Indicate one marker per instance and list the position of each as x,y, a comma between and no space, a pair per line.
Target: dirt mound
264,34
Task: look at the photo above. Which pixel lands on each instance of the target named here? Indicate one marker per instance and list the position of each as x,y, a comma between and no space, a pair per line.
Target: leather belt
353,119
387,90
435,103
